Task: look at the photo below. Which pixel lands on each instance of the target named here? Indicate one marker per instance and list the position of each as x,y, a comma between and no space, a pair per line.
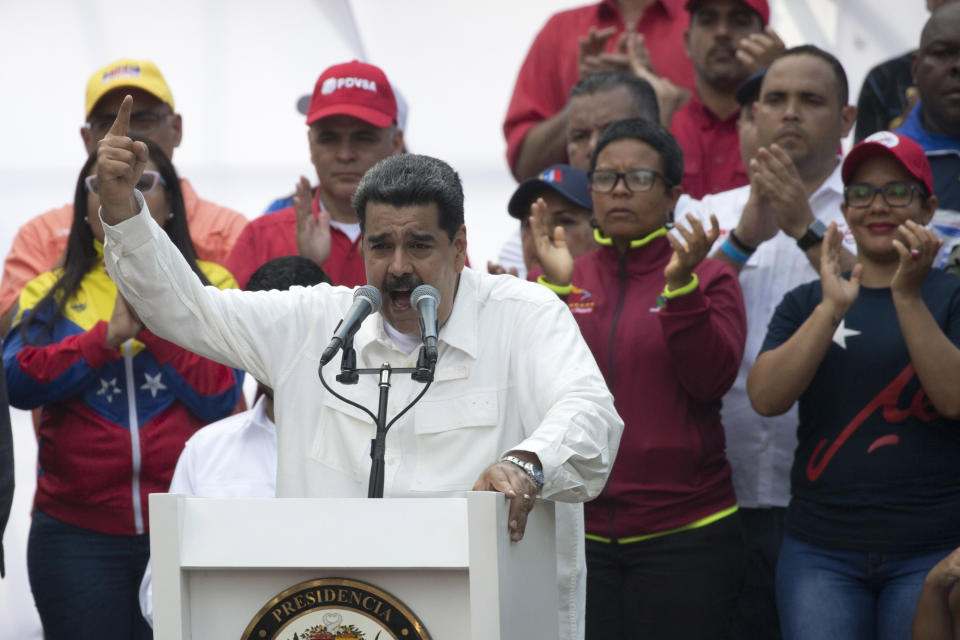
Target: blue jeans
848,595
85,584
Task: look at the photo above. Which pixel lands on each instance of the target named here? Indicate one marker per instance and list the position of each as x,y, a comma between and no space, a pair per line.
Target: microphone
366,300
426,299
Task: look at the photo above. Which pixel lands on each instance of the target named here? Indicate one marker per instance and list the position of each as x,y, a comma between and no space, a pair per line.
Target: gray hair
413,180
644,97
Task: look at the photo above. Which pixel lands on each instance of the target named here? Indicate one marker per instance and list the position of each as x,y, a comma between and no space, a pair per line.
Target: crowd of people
723,348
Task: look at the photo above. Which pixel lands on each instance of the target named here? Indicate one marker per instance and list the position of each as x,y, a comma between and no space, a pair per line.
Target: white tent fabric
237,68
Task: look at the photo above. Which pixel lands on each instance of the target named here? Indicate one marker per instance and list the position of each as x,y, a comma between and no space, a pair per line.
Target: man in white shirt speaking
514,377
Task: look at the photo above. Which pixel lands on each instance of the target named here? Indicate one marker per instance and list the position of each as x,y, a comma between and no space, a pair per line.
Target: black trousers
681,586
756,617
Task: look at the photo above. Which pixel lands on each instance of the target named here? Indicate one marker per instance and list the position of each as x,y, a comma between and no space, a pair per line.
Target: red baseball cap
760,6
908,153
354,89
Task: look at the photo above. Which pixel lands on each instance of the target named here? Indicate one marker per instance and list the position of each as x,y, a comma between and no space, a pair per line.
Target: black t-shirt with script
877,467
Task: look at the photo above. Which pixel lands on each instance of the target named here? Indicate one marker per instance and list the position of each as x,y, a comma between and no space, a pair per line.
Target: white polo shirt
760,450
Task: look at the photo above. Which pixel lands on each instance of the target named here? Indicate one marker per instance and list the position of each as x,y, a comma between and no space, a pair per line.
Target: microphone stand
349,374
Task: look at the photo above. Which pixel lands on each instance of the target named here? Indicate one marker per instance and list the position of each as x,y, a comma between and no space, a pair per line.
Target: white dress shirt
513,373
760,450
233,458
511,255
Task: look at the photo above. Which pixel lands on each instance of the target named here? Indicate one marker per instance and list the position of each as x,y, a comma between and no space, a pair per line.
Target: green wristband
557,289
670,294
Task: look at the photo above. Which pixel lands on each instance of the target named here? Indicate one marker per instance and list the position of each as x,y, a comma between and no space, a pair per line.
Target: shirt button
765,443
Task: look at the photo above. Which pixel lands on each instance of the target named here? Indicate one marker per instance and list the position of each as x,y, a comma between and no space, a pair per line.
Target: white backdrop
236,69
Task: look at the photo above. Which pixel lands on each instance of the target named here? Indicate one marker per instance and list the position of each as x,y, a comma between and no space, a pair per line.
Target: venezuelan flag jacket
114,420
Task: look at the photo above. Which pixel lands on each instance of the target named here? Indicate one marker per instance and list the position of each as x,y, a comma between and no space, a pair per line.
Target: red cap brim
368,115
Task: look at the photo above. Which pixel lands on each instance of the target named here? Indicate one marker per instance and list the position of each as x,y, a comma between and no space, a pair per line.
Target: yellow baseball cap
141,74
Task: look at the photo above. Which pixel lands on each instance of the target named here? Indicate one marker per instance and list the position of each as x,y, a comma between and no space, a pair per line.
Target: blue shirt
943,153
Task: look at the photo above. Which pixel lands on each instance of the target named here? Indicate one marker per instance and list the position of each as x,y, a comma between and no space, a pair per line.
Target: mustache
791,129
405,282
724,46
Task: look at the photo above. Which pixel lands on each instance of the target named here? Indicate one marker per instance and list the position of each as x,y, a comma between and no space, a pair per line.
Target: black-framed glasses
636,180
147,182
145,120
895,194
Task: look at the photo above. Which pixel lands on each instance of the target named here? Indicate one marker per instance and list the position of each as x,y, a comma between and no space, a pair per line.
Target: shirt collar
833,185
710,120
460,329
913,128
259,417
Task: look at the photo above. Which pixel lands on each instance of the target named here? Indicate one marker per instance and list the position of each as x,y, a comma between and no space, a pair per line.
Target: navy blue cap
569,182
749,90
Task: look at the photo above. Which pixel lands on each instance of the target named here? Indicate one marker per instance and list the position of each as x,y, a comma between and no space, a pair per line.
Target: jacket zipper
134,436
621,297
611,351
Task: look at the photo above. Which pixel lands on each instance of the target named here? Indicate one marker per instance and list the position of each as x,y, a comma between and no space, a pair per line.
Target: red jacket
273,235
668,367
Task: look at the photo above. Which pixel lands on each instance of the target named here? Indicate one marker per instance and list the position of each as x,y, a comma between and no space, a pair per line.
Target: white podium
217,562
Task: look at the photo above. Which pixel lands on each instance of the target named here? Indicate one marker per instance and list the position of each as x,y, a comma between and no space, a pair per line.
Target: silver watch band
527,468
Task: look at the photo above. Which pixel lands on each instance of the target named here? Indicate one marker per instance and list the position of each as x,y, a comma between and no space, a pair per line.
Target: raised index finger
122,123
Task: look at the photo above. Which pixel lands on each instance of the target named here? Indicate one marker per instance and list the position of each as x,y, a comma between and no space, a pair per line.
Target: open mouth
400,300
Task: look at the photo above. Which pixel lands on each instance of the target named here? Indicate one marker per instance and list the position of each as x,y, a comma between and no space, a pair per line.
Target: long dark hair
81,255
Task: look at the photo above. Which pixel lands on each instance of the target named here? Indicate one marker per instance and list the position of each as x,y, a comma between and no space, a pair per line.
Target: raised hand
777,181
120,163
837,290
917,250
124,323
758,50
550,246
689,252
757,222
313,234
591,48
670,97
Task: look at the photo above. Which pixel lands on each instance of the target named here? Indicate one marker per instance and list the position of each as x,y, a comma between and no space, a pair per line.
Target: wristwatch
536,475
813,236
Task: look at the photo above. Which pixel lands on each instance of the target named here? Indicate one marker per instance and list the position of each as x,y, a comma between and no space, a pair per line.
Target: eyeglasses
895,194
636,180
146,120
147,182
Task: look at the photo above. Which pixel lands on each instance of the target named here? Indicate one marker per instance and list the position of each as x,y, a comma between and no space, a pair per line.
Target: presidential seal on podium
335,609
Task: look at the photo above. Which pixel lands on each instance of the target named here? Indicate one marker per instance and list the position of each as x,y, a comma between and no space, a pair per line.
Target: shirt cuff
132,232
